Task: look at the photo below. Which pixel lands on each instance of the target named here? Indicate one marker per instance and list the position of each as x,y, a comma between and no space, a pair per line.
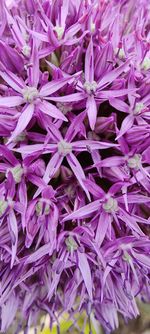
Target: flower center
126,257
42,209
90,87
92,26
120,52
146,64
71,244
26,50
64,107
138,108
135,161
17,173
3,206
111,205
30,94
59,31
64,147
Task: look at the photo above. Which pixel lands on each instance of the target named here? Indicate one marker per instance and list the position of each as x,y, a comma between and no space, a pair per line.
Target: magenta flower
74,162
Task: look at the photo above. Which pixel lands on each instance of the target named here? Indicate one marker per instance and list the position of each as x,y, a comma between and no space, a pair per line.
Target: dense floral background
74,163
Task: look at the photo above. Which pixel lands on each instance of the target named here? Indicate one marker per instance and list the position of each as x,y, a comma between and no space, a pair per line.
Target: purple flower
74,162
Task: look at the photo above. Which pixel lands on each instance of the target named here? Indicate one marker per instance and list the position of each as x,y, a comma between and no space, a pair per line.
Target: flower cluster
74,160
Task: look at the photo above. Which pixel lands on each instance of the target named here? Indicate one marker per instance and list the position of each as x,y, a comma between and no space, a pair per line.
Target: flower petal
78,171
86,272
51,110
84,211
89,63
11,101
23,121
91,110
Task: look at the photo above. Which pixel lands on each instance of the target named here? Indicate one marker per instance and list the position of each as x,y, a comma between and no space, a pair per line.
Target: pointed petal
78,171
54,85
31,149
109,77
135,198
51,110
75,127
13,226
103,223
68,98
119,104
12,80
53,166
91,111
23,121
86,272
11,101
83,145
126,125
84,212
89,63
34,70
4,151
108,94
42,251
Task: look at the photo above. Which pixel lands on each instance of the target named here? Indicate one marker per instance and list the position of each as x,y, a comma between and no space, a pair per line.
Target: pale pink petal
119,104
78,171
86,272
34,69
103,223
13,226
12,80
89,63
23,121
114,74
84,212
53,166
68,98
126,125
91,110
11,101
51,110
53,86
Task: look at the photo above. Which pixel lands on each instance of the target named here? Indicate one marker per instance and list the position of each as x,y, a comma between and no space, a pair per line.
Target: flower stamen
64,147
111,205
30,94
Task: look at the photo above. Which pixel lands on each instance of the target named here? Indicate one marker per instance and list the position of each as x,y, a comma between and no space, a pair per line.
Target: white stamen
59,31
146,64
26,50
30,94
90,87
39,208
126,257
26,36
47,210
135,161
17,173
138,108
120,52
71,244
64,107
111,205
54,59
64,147
3,206
20,137
92,26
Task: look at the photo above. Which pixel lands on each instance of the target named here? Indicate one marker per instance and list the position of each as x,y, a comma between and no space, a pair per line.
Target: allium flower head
74,161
